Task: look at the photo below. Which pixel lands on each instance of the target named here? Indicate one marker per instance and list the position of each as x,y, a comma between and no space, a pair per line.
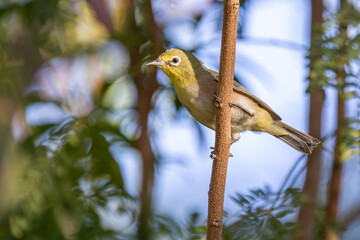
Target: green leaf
283,213
349,153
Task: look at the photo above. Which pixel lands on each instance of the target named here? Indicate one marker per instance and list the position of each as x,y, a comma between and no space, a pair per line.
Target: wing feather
243,91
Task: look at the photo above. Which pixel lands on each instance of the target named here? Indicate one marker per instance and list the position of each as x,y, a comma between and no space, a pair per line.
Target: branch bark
146,84
223,120
332,204
306,218
335,181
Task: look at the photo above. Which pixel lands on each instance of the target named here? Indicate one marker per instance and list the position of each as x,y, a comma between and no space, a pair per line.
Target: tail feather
298,140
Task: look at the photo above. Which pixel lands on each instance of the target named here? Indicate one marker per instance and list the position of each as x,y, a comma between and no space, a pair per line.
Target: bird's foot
215,95
235,137
213,156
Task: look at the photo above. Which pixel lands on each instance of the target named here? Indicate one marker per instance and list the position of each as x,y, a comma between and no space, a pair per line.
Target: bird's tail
298,140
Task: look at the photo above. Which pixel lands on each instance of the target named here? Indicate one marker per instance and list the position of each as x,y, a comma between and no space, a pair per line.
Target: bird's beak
157,62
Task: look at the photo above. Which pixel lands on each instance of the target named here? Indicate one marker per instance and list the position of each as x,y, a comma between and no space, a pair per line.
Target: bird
196,86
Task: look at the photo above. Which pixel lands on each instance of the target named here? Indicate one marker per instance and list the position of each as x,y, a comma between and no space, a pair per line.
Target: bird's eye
175,61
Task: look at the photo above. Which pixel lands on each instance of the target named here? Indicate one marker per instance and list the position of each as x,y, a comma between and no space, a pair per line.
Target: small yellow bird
196,86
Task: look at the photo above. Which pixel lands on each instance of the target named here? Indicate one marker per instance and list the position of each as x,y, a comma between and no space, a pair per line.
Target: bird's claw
213,156
235,137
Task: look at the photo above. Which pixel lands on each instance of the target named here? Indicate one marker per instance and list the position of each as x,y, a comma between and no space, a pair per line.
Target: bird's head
179,65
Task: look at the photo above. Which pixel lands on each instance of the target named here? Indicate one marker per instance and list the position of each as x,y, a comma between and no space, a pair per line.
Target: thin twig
287,178
274,42
353,215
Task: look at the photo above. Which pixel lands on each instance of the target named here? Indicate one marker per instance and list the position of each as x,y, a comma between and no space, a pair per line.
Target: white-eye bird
196,86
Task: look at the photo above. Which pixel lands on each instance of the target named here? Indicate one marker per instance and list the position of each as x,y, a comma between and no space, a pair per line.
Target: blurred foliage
69,175
333,62
264,215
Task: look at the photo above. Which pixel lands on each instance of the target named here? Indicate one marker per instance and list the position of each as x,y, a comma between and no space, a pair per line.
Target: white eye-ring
175,61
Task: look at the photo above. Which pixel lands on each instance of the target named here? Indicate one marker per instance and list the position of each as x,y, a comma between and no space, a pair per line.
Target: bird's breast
199,100
199,104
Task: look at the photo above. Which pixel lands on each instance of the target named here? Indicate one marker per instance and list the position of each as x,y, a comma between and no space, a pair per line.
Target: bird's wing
240,89
243,91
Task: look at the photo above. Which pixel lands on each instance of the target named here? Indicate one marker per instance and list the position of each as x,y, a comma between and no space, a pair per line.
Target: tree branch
146,85
352,216
306,218
223,120
332,204
273,42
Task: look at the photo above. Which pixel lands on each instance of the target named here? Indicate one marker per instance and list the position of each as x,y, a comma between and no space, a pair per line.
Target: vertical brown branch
306,218
144,146
154,31
223,120
332,204
146,85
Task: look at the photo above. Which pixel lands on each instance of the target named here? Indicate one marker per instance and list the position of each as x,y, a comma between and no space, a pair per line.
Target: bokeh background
95,145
